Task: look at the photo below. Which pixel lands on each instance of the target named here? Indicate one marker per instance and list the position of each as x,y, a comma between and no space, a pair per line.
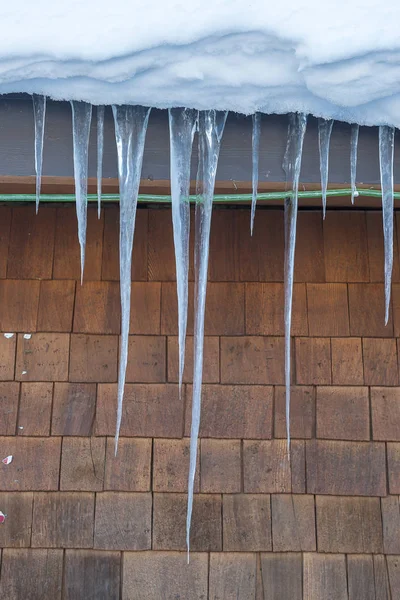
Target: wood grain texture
31,574
360,570
232,575
324,577
282,575
153,410
74,407
31,246
63,520
346,468
56,305
293,523
247,522
266,467
345,247
243,411
92,575
349,525
169,519
123,521
169,573
35,465
35,409
19,300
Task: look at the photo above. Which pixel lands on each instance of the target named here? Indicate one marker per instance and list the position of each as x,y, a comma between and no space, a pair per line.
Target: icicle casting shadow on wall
130,133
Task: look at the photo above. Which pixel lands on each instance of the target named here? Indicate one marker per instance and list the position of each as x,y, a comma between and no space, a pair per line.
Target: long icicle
211,128
100,146
386,156
39,116
255,139
355,129
324,138
291,166
130,134
81,122
182,127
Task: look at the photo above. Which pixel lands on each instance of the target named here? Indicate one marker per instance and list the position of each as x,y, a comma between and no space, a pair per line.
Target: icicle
386,155
39,115
100,145
81,121
353,159
291,166
130,134
182,127
255,159
211,128
324,138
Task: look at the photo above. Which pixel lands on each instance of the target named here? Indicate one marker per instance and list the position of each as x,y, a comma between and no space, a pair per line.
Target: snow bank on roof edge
333,58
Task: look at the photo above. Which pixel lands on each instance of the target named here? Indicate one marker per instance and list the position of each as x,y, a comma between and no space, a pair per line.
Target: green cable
223,198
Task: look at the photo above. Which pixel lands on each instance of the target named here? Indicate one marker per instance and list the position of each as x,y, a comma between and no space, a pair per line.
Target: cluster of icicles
130,132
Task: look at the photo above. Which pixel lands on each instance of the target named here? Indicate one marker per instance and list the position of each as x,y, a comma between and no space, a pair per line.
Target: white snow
334,59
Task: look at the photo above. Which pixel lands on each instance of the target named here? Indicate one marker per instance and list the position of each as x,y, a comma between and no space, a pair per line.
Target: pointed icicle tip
386,158
355,128
39,116
211,127
292,167
100,146
130,133
81,122
324,138
182,127
116,440
255,164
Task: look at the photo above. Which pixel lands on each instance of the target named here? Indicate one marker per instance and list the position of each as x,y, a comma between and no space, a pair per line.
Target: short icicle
39,116
291,166
100,146
130,134
255,139
211,128
324,138
355,129
81,122
386,156
182,127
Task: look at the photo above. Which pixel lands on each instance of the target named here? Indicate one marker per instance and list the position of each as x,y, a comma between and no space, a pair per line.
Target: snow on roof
332,58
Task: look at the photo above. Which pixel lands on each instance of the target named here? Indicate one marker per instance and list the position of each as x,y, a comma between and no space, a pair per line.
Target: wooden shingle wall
83,524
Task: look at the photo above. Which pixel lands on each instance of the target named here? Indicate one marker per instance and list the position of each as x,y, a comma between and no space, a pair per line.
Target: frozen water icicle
39,116
386,156
81,122
355,128
324,138
211,128
100,145
182,127
291,166
130,134
255,160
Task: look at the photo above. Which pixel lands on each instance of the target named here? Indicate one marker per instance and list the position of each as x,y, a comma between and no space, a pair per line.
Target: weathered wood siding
82,524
